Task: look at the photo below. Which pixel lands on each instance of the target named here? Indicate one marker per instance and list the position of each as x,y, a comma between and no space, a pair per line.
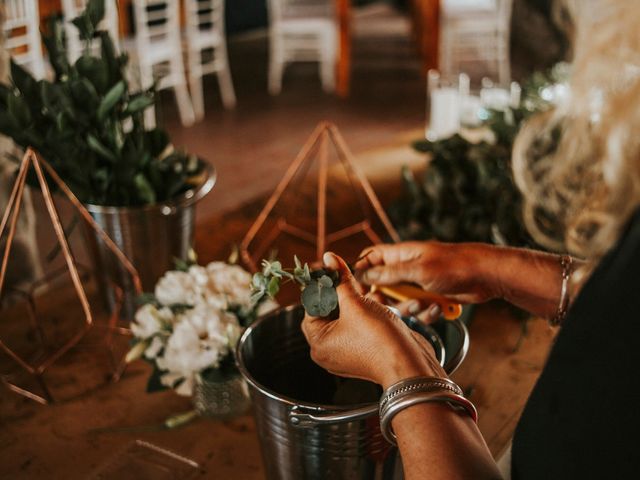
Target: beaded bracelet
566,262
413,391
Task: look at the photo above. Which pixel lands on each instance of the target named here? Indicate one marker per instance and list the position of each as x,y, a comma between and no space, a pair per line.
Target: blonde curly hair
578,165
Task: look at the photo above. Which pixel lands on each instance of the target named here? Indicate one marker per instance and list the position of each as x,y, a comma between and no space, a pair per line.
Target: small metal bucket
306,430
151,237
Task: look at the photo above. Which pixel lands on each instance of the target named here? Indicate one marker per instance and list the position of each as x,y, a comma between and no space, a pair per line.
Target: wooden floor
252,145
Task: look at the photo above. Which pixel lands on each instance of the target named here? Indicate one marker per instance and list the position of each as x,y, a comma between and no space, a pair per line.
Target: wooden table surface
74,437
71,439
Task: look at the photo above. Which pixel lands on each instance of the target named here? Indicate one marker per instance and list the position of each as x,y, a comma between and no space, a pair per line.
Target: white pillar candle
495,98
470,107
444,119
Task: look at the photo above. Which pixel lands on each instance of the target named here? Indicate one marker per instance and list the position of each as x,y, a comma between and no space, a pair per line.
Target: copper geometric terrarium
37,365
299,208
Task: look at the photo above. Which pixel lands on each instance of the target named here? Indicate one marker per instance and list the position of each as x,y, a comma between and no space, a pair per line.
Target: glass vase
223,398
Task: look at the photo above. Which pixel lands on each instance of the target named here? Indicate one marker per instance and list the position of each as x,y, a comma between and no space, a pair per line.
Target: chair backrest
21,30
204,15
280,10
71,9
157,21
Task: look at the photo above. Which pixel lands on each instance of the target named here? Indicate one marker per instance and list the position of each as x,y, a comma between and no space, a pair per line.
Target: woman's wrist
407,364
529,279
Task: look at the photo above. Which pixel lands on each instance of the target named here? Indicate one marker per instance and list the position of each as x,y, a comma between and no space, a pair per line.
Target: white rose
148,321
200,339
234,332
154,348
231,280
199,275
184,354
216,301
178,288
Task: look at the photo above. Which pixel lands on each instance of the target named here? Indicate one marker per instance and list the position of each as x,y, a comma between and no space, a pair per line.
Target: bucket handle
456,360
305,417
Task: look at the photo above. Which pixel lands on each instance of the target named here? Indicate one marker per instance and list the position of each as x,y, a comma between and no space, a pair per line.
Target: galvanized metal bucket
305,432
151,237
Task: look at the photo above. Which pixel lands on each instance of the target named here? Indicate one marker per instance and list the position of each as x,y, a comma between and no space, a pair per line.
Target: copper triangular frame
319,140
10,220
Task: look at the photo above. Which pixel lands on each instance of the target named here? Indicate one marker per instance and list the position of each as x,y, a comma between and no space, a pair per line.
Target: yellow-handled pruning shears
405,291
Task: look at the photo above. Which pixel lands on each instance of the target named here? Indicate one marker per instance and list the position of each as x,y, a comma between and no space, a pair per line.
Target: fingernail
434,311
329,259
414,307
370,276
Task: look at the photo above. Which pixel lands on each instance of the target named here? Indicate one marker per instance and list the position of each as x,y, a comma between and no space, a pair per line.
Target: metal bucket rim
277,396
187,198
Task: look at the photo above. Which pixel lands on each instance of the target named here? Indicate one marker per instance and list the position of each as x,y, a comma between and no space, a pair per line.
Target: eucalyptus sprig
318,287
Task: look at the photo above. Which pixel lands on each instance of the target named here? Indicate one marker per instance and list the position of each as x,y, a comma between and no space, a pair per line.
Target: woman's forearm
437,442
529,279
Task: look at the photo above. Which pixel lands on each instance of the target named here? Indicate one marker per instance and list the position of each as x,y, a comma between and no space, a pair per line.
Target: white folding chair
207,51
475,31
75,46
302,30
21,30
158,53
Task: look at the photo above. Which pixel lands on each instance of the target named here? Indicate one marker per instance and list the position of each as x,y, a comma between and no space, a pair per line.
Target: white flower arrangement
191,324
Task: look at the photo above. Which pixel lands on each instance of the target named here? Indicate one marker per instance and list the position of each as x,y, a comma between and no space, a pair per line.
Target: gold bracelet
566,262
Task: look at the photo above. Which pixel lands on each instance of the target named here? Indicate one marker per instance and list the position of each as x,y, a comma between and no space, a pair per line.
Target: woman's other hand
367,340
460,271
467,273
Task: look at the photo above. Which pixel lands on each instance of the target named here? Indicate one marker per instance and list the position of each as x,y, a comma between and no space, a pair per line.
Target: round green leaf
319,301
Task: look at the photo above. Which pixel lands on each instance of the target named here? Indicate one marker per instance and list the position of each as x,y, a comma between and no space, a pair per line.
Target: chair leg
195,83
185,107
187,115
227,92
197,94
194,58
146,80
276,67
328,73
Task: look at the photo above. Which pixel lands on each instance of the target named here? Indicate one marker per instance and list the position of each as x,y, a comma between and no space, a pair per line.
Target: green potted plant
467,191
89,126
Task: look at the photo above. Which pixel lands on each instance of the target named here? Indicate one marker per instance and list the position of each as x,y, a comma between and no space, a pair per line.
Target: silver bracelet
566,262
422,384
415,390
399,403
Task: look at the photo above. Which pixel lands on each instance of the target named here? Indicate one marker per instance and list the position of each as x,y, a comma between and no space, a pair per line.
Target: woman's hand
367,340
458,271
467,273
